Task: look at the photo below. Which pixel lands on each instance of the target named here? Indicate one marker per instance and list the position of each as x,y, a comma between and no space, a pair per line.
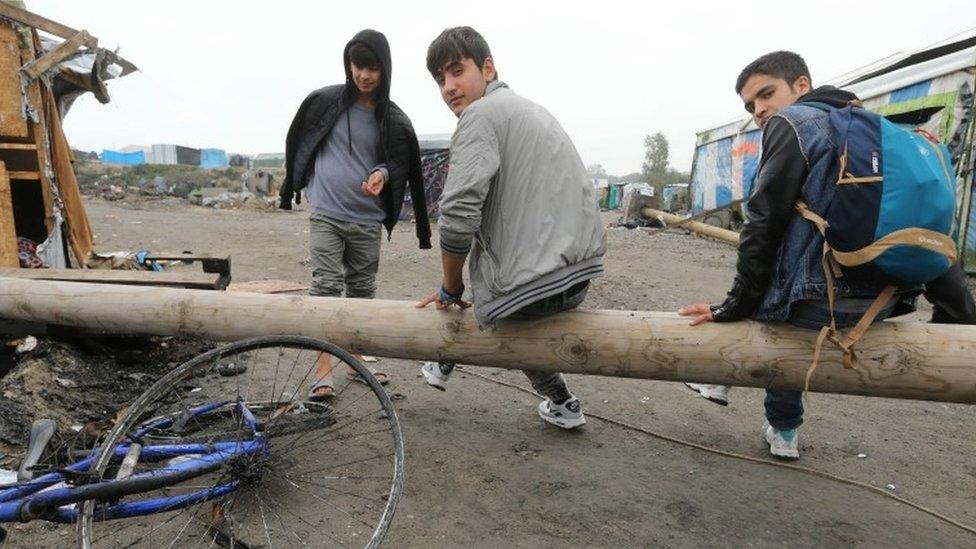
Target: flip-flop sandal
314,396
354,376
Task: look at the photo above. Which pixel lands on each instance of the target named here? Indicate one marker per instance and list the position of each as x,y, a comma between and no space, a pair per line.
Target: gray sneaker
435,375
719,394
568,415
782,444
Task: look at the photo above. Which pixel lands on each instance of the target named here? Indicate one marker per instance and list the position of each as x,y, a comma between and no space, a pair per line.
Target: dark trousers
952,302
548,384
551,384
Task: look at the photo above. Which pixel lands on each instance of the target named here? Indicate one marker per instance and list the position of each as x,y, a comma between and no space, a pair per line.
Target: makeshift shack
42,216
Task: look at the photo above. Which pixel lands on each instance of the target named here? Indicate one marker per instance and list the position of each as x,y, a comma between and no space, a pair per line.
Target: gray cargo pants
343,255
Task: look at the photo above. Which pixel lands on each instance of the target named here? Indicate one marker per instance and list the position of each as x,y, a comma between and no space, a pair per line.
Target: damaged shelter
44,228
42,217
435,156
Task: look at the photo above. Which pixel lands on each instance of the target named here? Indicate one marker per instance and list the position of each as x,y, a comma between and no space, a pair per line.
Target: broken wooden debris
697,227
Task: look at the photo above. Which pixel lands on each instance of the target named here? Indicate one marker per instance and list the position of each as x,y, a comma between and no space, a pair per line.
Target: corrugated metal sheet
164,154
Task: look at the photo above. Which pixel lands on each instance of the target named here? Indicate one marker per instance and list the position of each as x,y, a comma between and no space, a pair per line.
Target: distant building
269,160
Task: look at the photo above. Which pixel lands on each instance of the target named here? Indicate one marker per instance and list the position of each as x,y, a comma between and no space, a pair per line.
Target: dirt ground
483,470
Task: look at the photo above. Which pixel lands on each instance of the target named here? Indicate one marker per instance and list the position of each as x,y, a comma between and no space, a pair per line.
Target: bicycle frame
42,498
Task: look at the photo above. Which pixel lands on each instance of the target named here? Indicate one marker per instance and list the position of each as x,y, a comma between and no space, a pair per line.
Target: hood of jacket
829,95
376,42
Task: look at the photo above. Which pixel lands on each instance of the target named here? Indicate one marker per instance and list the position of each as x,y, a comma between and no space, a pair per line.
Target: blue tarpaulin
213,158
127,159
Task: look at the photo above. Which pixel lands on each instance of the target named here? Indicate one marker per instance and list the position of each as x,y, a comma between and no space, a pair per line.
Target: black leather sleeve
782,171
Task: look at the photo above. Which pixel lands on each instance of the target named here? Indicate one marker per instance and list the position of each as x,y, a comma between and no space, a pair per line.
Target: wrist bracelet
444,296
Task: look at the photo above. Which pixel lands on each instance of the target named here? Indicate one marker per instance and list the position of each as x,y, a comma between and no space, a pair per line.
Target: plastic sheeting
124,158
213,158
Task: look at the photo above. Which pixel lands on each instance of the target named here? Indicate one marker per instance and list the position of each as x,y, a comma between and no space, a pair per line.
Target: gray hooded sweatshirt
518,198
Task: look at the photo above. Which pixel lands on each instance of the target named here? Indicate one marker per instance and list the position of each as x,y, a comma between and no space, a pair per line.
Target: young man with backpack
354,152
517,205
781,274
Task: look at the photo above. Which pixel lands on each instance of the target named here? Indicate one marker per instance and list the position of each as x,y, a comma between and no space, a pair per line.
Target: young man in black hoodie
778,273
354,152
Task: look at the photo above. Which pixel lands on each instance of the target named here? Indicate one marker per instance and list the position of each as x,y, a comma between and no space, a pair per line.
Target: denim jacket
798,269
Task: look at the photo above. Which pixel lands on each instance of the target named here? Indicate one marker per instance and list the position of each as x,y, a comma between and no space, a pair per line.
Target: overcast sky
230,74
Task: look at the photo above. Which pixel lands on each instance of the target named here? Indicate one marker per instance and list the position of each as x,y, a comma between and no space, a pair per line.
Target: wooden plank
211,264
202,281
44,63
897,359
268,287
42,23
80,237
18,146
12,120
8,230
39,133
34,176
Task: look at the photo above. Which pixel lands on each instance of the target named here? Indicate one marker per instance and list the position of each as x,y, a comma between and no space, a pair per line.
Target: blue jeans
784,409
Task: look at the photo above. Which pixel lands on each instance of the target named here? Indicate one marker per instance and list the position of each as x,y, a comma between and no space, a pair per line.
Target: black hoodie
399,148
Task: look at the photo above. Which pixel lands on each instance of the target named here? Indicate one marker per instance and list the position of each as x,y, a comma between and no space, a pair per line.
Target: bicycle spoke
289,457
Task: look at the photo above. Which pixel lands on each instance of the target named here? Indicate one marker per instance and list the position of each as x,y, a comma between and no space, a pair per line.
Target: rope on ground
709,449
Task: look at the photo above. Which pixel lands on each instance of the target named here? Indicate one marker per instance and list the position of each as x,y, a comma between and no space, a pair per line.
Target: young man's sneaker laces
434,375
567,415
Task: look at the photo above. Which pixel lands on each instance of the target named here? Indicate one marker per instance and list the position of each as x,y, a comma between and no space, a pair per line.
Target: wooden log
898,359
704,229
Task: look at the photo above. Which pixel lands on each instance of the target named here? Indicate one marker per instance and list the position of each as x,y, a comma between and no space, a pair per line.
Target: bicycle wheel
302,474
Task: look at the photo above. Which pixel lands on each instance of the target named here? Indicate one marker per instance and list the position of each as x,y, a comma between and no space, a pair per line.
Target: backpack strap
862,326
830,332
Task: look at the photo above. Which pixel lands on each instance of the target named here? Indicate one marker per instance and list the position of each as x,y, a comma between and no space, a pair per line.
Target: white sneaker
567,415
719,394
435,376
782,444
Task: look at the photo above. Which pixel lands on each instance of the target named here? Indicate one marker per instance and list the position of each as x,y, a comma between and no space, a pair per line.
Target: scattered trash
645,399
7,476
231,369
25,345
66,383
890,486
862,456
368,358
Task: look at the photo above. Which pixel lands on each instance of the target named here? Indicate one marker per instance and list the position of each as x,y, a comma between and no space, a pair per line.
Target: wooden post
704,229
898,359
8,230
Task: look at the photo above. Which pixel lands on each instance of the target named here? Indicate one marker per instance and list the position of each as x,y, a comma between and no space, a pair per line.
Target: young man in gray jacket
517,201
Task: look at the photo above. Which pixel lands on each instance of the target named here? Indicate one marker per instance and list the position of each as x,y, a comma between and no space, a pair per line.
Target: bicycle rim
332,474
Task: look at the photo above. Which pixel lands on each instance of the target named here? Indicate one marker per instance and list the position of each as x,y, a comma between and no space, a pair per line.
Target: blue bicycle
226,451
